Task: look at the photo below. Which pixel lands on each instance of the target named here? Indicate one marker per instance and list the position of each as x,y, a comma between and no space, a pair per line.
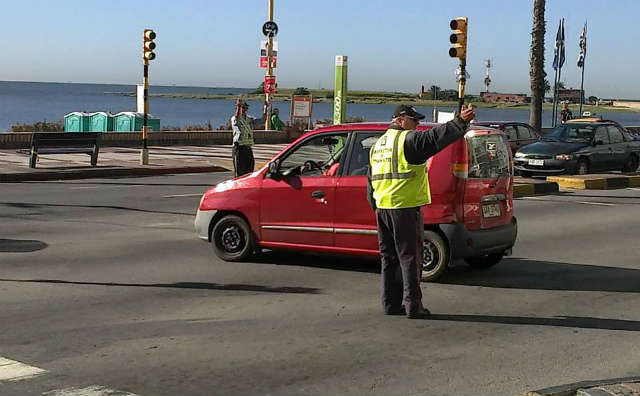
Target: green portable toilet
76,122
129,121
101,122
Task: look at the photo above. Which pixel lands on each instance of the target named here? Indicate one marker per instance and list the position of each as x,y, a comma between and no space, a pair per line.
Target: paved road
105,287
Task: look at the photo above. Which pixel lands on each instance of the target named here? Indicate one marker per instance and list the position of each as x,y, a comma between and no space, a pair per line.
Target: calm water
29,102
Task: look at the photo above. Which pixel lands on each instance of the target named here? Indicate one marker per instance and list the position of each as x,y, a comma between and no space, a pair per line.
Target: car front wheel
631,165
435,256
485,261
583,167
232,239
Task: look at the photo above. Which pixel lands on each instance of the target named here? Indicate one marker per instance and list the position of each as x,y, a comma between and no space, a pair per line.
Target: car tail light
460,170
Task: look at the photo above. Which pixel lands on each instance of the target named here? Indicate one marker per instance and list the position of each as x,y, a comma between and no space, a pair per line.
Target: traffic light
148,45
458,38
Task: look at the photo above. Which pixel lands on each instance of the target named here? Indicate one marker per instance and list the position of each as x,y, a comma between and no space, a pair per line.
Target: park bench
64,143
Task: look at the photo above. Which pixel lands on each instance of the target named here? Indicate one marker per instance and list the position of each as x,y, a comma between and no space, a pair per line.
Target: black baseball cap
245,105
408,111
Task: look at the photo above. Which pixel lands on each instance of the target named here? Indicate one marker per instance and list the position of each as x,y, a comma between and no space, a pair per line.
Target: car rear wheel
232,239
435,256
583,167
485,261
632,164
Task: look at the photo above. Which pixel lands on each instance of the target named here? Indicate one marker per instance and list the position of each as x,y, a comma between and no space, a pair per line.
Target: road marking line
596,203
11,370
182,195
93,390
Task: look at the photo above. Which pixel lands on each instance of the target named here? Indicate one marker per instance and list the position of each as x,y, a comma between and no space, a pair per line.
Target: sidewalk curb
527,189
571,389
600,183
93,173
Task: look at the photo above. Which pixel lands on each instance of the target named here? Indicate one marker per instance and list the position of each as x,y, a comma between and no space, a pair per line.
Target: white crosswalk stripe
93,390
12,370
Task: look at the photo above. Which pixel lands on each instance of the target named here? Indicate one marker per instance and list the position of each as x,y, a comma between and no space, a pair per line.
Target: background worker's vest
396,183
246,132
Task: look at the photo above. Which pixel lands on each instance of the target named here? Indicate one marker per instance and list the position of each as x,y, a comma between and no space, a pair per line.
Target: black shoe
421,314
396,311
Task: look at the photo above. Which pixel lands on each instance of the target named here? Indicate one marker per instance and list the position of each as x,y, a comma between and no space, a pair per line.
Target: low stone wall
21,140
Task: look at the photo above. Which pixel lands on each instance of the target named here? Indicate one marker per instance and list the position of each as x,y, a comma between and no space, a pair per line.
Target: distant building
571,95
504,97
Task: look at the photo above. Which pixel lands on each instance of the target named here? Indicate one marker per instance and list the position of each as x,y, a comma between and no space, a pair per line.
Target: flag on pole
558,51
583,46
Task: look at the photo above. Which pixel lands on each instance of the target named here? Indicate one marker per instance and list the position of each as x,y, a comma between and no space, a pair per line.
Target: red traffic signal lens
149,35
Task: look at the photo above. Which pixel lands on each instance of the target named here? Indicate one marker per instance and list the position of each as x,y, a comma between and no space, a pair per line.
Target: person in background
565,114
398,187
242,126
276,122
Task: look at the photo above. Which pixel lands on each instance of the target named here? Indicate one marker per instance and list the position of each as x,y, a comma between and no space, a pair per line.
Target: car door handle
317,194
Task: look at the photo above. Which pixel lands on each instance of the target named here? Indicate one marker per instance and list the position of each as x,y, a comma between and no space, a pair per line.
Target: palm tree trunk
537,64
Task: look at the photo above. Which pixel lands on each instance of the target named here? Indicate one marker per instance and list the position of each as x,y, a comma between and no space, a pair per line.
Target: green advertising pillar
340,91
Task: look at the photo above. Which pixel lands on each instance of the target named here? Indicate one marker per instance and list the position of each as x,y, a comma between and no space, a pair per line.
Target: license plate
492,210
536,162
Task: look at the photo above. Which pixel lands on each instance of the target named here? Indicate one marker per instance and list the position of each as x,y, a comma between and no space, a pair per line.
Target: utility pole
267,123
487,79
148,46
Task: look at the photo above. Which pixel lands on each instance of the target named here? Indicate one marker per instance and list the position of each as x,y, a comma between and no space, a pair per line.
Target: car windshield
570,134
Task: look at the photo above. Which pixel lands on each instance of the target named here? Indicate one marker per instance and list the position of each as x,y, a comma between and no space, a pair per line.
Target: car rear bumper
202,223
464,243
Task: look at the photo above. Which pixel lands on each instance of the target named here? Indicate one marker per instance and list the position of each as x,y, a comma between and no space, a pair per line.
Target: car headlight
519,154
564,157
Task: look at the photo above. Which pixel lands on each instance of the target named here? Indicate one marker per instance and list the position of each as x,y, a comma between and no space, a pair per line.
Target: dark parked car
580,147
518,133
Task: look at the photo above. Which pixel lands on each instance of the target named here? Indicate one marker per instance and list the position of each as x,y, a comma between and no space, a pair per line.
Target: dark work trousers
243,161
400,233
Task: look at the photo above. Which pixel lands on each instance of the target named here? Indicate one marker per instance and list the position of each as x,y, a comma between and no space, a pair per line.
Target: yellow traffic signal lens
458,24
457,38
457,51
149,45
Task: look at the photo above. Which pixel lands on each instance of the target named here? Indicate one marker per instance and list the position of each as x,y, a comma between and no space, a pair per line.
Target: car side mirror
272,169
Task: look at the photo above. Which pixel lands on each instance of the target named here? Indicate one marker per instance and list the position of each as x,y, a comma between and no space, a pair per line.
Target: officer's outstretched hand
467,113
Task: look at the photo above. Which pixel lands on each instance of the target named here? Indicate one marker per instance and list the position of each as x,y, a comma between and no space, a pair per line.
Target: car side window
615,135
317,156
602,135
524,132
511,132
358,164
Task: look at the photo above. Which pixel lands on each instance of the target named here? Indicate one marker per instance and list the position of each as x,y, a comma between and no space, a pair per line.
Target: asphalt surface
105,285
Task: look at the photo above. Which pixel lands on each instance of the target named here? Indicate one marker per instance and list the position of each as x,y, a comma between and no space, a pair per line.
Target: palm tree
536,61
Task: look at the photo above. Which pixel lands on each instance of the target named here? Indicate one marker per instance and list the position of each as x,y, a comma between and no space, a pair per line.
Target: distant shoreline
372,97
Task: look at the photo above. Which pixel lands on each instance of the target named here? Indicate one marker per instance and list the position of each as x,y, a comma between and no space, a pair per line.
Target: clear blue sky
392,45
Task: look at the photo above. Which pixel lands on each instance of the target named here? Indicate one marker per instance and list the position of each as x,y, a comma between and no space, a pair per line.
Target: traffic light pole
462,83
144,154
267,96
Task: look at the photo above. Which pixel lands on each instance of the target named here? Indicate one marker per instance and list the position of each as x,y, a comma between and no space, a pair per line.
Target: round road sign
270,29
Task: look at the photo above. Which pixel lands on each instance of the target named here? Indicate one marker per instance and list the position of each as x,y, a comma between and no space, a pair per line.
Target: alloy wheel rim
232,239
430,257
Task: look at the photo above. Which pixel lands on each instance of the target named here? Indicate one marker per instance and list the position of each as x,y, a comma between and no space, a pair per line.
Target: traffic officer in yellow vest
242,126
398,187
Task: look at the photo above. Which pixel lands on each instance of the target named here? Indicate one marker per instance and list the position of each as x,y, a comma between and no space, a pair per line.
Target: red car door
355,221
297,204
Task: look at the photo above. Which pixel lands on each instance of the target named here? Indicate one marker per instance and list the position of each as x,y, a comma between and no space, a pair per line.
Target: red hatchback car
312,197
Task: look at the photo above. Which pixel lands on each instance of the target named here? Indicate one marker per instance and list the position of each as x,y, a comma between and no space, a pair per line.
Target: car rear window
488,156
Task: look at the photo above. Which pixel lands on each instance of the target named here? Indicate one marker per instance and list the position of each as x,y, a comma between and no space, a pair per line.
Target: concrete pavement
121,161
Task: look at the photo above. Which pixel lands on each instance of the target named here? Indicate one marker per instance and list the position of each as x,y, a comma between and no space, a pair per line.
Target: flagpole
582,89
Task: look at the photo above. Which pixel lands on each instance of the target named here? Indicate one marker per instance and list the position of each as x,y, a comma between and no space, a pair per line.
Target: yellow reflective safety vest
246,132
396,183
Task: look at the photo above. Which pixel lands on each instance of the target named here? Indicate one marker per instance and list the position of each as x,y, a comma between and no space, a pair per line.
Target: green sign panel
340,91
